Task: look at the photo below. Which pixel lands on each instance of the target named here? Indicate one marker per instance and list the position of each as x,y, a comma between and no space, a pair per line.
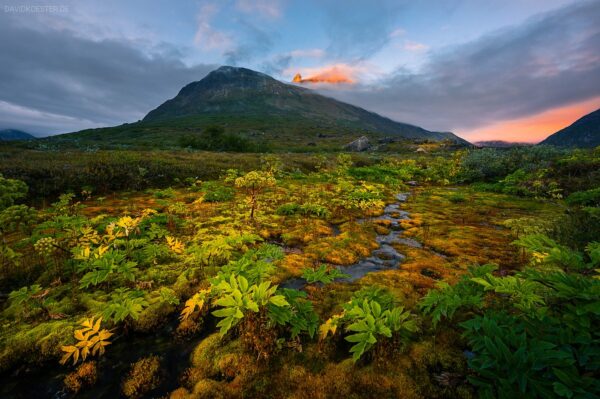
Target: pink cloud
409,45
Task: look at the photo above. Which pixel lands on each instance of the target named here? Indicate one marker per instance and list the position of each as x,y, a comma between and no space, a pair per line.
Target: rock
360,144
402,197
385,252
421,150
412,183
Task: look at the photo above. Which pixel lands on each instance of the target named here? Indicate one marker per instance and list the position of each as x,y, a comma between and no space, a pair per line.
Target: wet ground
385,257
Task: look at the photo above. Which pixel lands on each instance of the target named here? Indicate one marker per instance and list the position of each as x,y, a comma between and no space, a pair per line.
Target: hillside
258,107
13,135
499,144
585,132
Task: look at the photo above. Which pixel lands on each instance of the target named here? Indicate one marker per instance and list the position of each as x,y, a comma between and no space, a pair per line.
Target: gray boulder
360,144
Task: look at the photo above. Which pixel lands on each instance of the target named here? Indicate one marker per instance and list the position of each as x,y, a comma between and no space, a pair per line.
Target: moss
306,232
210,389
26,343
143,377
84,375
152,317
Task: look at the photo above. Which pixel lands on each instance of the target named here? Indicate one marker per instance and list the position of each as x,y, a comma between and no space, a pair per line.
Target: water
384,257
46,381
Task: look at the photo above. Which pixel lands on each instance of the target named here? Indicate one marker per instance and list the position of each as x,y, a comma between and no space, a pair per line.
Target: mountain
499,144
584,132
13,135
258,107
243,91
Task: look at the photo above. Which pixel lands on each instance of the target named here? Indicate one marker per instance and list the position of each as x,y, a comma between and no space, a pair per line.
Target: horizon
519,75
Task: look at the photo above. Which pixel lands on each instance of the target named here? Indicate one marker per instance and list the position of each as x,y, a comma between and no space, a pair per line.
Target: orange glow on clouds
533,128
335,74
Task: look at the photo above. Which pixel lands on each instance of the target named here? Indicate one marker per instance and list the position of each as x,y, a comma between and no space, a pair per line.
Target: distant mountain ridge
499,144
13,135
584,132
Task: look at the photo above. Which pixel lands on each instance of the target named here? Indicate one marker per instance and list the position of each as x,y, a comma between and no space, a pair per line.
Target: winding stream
384,257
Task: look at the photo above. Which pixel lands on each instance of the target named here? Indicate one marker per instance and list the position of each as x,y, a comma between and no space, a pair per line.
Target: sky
515,70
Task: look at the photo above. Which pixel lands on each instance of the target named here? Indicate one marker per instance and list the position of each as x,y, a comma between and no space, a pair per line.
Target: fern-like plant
322,275
91,340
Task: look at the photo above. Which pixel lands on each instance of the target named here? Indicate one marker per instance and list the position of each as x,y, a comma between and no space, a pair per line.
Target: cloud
330,74
409,45
307,53
549,61
55,80
207,37
265,8
254,42
34,121
397,33
534,128
357,31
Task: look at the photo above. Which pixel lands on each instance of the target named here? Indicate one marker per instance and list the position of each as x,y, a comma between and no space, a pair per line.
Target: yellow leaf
78,334
104,334
65,357
88,323
102,250
97,325
68,349
84,352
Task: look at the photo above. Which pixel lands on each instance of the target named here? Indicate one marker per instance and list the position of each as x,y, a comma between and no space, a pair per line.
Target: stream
46,380
384,257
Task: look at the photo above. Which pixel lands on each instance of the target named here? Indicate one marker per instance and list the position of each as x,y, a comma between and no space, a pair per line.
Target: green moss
37,343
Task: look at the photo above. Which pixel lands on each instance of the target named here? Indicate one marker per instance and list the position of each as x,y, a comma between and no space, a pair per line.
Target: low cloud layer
547,62
54,81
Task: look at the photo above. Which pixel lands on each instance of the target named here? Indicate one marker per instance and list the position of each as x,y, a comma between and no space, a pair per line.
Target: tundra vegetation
222,276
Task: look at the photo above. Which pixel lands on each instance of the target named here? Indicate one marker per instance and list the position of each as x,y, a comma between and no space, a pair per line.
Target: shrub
585,198
217,192
369,316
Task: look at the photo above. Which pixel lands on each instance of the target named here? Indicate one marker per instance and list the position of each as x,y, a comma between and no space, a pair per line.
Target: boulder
360,144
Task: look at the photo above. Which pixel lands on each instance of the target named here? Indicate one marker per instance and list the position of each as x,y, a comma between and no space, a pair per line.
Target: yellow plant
85,252
122,227
330,326
91,340
148,211
175,245
196,301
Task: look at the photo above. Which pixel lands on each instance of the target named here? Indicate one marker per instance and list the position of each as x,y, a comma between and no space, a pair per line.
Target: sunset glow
330,75
534,128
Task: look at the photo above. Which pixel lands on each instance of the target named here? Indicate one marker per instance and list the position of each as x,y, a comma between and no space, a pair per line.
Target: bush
214,138
217,192
585,198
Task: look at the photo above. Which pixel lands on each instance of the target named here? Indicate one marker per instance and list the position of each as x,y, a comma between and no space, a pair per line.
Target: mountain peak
584,132
229,93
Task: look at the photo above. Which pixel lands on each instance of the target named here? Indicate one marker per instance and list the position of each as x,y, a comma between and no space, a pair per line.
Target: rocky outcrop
360,144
